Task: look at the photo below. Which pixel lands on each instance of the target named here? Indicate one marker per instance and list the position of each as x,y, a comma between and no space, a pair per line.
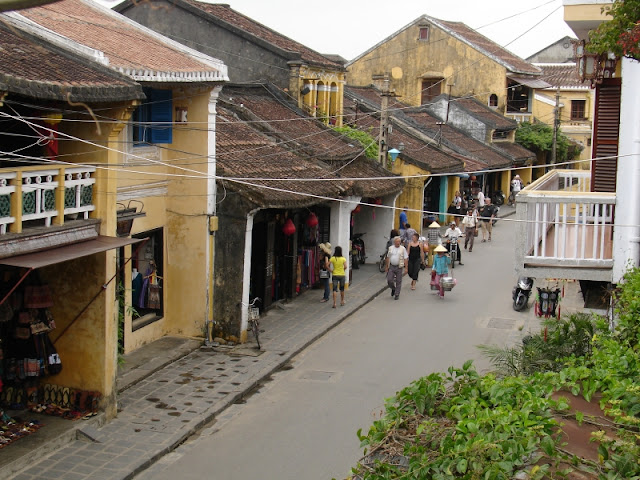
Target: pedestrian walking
407,236
325,269
396,266
481,199
403,219
338,267
486,219
440,267
416,258
453,232
470,224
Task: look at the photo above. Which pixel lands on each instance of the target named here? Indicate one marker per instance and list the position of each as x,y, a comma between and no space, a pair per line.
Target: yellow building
575,105
158,186
431,56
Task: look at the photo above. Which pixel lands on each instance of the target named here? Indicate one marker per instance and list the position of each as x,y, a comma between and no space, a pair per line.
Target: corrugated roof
232,17
562,75
31,67
130,47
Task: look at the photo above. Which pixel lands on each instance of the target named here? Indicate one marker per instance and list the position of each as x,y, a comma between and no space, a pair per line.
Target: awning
530,82
62,254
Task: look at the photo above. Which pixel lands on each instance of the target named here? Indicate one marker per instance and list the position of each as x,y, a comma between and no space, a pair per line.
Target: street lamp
393,153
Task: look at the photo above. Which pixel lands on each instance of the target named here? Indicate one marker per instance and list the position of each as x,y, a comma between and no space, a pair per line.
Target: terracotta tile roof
486,46
230,16
485,114
31,67
130,47
370,188
562,75
244,152
268,108
515,150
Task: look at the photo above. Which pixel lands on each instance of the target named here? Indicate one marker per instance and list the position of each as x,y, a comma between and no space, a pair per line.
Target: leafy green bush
368,143
538,137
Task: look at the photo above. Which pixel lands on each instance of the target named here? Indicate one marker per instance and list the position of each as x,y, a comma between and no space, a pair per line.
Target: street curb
215,410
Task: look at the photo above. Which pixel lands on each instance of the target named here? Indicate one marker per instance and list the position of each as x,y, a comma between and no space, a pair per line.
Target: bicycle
253,316
453,250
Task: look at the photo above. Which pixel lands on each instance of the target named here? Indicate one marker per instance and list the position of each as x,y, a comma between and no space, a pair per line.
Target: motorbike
498,197
454,253
358,252
521,293
547,302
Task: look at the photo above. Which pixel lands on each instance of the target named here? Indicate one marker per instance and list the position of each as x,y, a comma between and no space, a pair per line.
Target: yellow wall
411,195
577,130
442,56
319,103
182,214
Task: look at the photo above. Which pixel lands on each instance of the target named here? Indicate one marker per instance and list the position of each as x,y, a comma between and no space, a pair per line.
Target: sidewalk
163,408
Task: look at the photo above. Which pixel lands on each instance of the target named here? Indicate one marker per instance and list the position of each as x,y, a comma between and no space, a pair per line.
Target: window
152,121
424,34
577,109
493,100
431,88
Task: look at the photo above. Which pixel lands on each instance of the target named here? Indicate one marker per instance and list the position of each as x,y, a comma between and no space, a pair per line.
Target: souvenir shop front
54,336
285,256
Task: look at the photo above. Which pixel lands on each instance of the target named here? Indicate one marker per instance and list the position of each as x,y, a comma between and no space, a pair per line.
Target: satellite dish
396,73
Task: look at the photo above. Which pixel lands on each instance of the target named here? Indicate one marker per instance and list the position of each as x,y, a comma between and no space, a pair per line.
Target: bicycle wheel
255,328
454,257
383,262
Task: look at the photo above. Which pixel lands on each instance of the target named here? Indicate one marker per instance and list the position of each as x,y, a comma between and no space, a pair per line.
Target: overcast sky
349,27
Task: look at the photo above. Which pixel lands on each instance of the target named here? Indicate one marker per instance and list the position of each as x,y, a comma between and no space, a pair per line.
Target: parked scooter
547,302
358,255
498,197
521,293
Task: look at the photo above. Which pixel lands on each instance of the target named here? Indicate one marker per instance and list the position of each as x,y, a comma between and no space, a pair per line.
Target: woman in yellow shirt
338,267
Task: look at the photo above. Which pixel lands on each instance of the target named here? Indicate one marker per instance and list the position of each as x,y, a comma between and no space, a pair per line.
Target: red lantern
357,209
312,220
473,178
378,201
289,228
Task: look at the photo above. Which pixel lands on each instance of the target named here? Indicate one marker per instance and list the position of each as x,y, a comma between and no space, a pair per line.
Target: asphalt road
302,424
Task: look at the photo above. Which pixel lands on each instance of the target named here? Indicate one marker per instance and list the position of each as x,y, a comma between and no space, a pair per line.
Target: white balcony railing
519,116
562,225
44,193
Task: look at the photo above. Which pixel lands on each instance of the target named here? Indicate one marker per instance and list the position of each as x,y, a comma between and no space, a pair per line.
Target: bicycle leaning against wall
253,317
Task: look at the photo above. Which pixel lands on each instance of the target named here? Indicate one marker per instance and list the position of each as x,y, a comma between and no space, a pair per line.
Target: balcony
42,196
563,229
519,116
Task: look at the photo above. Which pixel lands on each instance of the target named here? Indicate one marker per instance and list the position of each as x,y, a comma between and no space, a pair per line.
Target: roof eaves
491,55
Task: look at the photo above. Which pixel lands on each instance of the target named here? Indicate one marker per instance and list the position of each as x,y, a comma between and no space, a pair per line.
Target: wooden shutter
606,128
162,116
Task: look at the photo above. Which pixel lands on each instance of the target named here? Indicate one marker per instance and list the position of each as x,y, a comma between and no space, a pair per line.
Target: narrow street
303,423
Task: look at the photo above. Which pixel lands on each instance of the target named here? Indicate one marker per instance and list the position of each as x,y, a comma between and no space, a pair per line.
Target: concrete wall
471,72
377,222
459,118
246,61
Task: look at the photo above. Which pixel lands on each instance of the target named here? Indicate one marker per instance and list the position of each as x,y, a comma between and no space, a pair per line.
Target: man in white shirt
470,224
453,232
480,199
397,263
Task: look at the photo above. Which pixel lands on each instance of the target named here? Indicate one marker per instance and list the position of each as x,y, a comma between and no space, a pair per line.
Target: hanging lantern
473,178
312,220
357,209
289,228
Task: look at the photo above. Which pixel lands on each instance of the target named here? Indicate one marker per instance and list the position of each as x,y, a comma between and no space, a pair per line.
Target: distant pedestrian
486,219
403,219
457,199
470,224
396,265
394,233
407,235
416,258
441,264
325,269
338,266
481,199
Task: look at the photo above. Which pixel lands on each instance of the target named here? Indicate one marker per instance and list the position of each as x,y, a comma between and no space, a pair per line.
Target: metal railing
45,194
563,224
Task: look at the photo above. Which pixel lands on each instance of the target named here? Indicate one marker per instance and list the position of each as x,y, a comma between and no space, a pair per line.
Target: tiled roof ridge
202,9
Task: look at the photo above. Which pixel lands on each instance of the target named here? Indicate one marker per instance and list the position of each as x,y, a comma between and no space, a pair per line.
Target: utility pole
383,144
556,123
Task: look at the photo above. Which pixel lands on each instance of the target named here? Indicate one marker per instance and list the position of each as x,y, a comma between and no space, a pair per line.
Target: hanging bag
38,296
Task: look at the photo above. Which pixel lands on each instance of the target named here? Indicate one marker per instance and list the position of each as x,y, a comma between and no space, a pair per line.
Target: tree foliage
538,137
368,143
620,34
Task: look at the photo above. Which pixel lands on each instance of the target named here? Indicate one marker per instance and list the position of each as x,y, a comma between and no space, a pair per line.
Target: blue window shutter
162,112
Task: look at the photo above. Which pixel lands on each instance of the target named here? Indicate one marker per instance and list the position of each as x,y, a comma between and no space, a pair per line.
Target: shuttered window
606,127
153,120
